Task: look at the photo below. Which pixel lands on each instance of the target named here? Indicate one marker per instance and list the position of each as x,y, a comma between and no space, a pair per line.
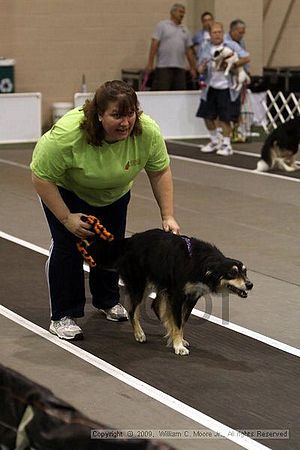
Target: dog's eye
233,272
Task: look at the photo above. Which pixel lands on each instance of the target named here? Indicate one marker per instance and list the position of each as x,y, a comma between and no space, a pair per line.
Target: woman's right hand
75,225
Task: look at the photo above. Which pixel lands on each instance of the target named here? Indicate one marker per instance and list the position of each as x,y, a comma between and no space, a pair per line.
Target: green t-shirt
98,175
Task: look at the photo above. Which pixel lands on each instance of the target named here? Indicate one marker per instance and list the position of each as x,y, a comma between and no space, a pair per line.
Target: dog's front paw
181,350
140,336
289,168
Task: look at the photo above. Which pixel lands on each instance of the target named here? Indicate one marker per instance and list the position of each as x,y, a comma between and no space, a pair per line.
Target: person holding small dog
86,165
219,101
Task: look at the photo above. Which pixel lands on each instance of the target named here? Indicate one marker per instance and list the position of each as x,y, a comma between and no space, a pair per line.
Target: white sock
213,136
226,140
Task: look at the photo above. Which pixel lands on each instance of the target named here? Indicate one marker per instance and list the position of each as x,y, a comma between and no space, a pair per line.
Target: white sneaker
210,147
66,328
225,150
116,314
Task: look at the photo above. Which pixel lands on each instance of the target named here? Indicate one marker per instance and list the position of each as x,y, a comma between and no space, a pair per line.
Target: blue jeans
64,268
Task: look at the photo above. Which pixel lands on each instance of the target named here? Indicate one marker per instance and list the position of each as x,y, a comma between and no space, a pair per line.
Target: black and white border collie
180,269
280,148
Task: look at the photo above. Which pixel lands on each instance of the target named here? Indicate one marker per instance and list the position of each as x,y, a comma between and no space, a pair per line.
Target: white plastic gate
279,109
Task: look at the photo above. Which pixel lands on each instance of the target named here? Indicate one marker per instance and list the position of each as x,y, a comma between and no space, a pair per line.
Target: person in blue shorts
220,103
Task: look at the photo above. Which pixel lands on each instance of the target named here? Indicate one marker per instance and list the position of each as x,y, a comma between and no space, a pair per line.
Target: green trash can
7,76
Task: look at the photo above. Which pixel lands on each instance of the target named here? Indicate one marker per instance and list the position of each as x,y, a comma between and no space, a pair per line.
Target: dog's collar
188,244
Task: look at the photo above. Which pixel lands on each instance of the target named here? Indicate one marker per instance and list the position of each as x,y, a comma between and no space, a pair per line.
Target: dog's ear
212,275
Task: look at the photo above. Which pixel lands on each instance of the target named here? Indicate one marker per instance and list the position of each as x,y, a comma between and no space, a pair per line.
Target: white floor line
191,144
23,243
12,163
246,332
237,169
137,384
238,152
196,312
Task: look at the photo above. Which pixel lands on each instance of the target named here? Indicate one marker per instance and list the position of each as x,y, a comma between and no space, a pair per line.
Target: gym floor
243,370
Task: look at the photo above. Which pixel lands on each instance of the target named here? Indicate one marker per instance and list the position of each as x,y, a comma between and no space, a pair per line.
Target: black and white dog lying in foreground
180,269
280,147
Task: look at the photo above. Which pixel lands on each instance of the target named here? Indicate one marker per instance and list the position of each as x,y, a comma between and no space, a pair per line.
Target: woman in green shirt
86,165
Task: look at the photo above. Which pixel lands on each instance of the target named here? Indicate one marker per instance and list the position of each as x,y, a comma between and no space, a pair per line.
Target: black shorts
218,105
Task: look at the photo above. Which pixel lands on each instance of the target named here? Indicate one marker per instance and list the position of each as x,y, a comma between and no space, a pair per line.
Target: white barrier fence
20,117
175,111
279,109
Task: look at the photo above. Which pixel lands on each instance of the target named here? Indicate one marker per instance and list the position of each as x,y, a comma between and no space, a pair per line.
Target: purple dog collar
188,244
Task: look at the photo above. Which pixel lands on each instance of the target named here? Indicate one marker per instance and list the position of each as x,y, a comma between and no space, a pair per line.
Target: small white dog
228,56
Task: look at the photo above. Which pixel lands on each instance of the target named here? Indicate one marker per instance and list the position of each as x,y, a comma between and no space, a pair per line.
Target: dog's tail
265,163
262,166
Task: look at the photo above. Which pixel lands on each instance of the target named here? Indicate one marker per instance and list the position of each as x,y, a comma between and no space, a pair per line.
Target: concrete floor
251,217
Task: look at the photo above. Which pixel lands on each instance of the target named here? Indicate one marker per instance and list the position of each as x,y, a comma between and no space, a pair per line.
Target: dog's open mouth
239,292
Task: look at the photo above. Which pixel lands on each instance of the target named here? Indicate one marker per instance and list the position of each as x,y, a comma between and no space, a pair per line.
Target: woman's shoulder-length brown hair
111,91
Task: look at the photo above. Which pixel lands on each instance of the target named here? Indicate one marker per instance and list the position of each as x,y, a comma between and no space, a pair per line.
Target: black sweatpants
64,268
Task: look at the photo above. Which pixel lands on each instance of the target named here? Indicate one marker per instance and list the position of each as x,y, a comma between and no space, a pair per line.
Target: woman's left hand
170,224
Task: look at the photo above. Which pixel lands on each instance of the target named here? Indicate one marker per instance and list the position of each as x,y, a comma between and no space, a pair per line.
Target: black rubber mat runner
243,161
238,381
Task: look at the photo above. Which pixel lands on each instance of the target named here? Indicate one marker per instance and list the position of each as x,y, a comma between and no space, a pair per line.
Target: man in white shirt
219,101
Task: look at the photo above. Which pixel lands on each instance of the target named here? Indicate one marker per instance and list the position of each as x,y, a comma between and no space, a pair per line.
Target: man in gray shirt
172,46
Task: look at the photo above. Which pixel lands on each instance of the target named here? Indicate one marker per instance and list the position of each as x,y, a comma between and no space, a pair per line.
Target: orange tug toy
101,233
